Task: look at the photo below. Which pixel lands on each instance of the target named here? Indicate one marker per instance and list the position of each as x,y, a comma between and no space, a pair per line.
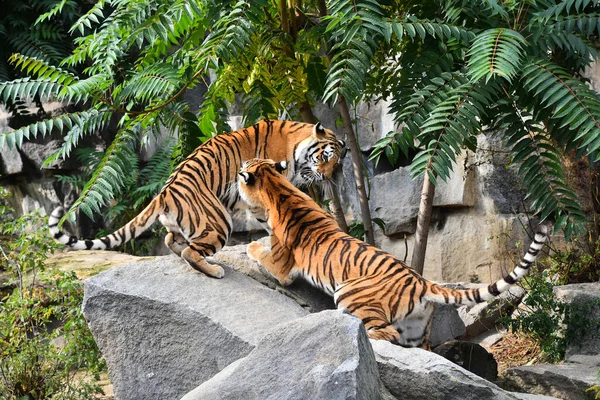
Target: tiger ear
318,131
248,178
281,166
344,149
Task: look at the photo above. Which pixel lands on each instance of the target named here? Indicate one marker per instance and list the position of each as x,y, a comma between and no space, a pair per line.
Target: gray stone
484,316
459,189
164,328
446,325
373,123
399,212
10,161
567,381
303,293
321,356
471,357
584,299
497,182
418,374
37,153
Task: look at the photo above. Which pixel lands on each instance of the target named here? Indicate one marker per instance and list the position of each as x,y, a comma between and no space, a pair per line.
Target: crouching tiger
394,302
195,202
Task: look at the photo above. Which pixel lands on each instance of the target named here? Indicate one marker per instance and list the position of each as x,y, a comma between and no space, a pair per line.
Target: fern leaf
107,179
552,86
496,52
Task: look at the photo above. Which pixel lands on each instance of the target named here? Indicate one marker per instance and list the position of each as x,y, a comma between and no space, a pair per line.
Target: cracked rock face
322,356
164,328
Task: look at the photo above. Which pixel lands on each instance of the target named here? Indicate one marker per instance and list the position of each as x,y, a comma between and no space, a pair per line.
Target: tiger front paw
254,250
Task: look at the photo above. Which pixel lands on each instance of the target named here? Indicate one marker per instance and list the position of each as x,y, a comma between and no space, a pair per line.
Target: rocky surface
471,356
321,356
567,381
482,317
571,379
418,374
164,328
584,298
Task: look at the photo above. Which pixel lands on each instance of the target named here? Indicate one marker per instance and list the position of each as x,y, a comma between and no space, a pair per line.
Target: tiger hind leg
278,262
176,242
353,296
204,246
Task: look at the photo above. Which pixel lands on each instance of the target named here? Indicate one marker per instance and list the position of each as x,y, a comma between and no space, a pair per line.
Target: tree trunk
423,220
357,165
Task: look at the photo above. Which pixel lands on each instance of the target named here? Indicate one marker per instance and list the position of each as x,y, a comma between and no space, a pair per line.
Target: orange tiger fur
394,302
195,203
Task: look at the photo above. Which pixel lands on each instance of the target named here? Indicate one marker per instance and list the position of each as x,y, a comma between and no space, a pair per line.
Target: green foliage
543,317
46,349
578,264
357,228
449,69
513,68
550,321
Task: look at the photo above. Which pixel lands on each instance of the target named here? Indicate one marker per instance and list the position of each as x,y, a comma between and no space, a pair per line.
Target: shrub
46,349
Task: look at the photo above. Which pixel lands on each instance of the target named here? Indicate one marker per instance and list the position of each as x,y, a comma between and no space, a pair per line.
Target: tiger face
252,177
317,157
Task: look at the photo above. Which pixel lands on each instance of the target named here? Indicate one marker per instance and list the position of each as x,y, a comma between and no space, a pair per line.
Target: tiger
195,203
393,301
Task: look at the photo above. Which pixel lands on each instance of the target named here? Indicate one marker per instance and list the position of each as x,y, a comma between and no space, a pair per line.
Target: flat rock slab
418,374
584,299
308,296
164,328
322,356
566,381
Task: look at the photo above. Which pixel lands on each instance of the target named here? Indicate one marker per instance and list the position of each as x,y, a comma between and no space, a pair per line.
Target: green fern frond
569,101
109,177
154,174
419,29
26,89
89,123
451,126
496,52
43,128
55,10
156,81
354,27
540,166
94,15
495,8
567,7
41,68
28,45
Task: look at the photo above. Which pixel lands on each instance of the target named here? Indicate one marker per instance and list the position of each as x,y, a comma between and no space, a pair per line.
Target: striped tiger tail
440,294
129,231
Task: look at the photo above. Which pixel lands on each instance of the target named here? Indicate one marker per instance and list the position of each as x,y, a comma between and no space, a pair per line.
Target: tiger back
196,201
394,302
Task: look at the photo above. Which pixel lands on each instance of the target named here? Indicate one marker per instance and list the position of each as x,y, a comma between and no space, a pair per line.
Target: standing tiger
394,302
195,202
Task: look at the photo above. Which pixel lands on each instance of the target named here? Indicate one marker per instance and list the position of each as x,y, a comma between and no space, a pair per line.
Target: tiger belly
414,328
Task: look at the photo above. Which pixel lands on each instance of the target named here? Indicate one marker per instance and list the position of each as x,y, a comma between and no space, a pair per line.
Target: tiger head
317,157
254,174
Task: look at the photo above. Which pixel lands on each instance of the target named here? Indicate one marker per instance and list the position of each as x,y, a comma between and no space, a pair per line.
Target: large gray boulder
322,356
446,325
308,296
567,381
418,374
584,299
164,328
